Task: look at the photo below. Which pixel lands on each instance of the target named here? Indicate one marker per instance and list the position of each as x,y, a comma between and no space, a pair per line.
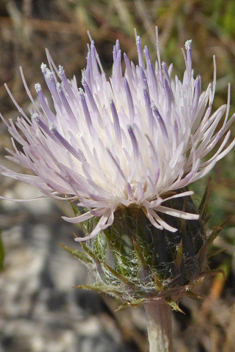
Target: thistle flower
124,149
136,139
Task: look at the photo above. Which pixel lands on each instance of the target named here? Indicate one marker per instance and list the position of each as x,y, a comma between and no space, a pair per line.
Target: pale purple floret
128,140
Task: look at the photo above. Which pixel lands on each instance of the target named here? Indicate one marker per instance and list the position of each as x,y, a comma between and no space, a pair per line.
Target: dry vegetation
27,27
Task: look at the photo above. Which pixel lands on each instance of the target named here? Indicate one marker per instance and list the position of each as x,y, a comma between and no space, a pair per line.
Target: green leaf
118,276
179,255
202,254
90,253
174,305
84,257
140,256
75,208
102,289
203,207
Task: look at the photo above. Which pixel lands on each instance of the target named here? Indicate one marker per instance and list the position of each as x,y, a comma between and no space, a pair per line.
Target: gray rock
40,311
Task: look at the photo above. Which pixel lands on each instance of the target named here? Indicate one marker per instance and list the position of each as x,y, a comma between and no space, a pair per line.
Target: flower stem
159,326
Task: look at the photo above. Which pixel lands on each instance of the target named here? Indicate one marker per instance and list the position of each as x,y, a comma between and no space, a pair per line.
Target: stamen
117,128
134,142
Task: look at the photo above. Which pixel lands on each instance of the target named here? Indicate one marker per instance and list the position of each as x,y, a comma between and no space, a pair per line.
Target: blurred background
40,311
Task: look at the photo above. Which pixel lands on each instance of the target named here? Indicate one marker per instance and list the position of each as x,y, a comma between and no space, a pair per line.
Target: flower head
134,139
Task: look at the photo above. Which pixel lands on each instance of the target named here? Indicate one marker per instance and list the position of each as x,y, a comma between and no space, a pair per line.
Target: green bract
135,262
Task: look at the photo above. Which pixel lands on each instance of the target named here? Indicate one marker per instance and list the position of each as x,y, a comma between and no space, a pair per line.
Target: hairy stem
159,326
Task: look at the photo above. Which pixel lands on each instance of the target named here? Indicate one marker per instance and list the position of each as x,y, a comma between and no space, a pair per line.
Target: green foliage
83,257
136,263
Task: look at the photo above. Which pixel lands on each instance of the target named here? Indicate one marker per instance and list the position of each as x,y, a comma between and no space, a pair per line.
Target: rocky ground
40,311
